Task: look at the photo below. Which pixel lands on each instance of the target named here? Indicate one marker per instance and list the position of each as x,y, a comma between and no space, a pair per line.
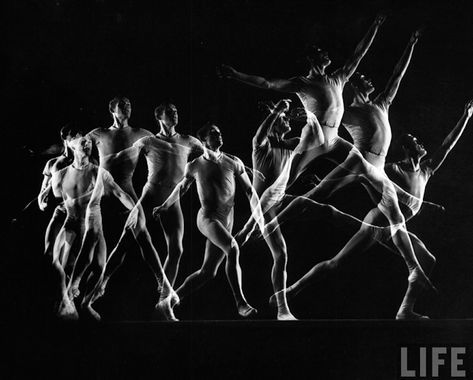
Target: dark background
64,60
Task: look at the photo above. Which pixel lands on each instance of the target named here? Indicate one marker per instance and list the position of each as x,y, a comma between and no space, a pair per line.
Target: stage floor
312,349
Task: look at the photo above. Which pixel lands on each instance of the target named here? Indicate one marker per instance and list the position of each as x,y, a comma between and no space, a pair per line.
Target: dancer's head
167,114
412,147
281,126
81,145
361,84
210,136
68,132
317,56
120,108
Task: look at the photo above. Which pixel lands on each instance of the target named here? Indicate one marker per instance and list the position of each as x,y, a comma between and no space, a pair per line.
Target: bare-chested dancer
59,214
81,186
368,123
271,153
215,174
118,156
411,175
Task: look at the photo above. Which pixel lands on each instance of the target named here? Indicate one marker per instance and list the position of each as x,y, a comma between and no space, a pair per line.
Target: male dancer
321,95
215,174
368,123
166,155
271,154
166,168
59,214
411,175
118,156
81,186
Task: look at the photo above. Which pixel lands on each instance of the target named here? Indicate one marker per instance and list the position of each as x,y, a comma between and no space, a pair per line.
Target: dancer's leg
172,222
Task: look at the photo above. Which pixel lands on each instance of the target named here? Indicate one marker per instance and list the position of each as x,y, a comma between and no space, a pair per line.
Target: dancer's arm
180,189
282,85
441,154
350,66
45,188
393,84
263,130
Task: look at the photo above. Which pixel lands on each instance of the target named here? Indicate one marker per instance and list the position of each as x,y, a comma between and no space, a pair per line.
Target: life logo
434,362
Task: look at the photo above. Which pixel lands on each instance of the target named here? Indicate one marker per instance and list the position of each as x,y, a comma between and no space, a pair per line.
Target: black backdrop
65,60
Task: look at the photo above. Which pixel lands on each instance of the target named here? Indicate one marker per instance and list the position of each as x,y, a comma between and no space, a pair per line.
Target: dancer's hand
283,105
380,18
156,211
415,36
469,108
225,71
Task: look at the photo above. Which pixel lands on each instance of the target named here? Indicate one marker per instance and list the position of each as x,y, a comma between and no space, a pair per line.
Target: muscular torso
76,187
411,182
216,181
368,125
322,95
116,152
269,160
167,158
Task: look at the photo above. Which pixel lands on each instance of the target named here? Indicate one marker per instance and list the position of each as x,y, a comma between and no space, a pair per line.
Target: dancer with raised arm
119,157
321,95
271,153
215,174
411,176
368,122
81,185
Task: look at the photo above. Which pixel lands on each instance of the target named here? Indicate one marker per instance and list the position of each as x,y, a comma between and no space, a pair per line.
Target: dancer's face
214,140
169,116
318,57
364,84
413,147
81,144
122,111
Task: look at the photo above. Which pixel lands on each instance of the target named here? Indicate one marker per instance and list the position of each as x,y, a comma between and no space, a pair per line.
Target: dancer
59,215
369,124
165,170
82,185
215,174
411,175
119,157
271,153
321,95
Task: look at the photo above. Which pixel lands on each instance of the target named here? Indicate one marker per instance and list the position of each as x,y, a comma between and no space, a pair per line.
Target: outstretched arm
264,128
393,84
180,189
350,66
282,85
122,196
441,154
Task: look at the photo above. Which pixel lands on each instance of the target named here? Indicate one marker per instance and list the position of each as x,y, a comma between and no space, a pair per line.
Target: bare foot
73,292
247,311
67,310
165,305
410,315
90,313
286,316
